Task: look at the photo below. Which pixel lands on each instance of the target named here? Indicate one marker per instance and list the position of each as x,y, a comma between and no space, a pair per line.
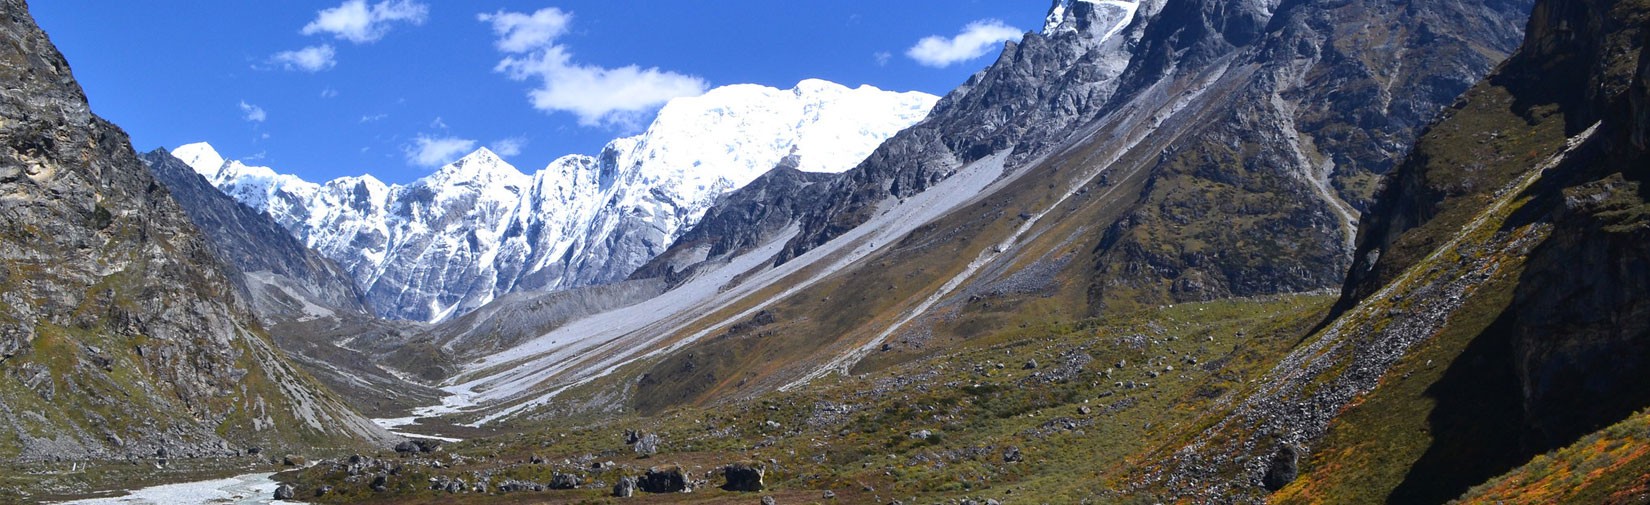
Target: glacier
479,228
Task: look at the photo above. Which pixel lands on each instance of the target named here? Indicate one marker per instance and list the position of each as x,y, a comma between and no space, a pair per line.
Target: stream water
250,489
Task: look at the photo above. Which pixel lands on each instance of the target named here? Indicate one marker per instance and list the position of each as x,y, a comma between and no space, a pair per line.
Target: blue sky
392,87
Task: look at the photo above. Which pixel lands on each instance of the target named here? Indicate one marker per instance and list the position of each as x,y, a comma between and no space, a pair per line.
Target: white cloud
374,118
329,93
597,95
435,151
882,58
309,59
975,40
357,22
253,113
438,123
508,147
520,33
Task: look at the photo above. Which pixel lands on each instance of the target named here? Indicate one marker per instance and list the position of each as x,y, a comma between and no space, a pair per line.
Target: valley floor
1058,413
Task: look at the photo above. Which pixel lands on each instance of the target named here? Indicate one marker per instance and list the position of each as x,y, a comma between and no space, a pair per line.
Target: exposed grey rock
646,445
664,479
745,477
564,481
625,488
284,492
1283,469
280,277
407,447
94,244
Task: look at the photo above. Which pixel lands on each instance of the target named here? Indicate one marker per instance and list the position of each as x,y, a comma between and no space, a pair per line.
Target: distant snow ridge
479,228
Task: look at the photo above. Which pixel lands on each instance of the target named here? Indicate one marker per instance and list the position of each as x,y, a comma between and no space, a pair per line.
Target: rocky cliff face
1175,151
119,336
479,228
1308,104
1577,322
281,278
1495,308
1027,102
1320,101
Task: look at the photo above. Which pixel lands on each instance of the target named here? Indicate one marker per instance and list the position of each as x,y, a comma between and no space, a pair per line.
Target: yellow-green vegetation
1054,411
1607,467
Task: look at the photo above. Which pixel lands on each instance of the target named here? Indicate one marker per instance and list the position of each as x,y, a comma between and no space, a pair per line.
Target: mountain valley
1159,251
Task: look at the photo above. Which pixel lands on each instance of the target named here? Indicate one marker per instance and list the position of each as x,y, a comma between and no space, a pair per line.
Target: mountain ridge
583,219
115,304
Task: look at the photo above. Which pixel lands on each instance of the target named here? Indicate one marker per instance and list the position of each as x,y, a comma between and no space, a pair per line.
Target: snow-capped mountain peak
478,227
201,157
481,168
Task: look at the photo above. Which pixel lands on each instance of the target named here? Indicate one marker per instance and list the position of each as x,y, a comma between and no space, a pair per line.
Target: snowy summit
478,228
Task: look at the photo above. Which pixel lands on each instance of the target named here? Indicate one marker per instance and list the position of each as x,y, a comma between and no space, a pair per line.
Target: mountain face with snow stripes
479,228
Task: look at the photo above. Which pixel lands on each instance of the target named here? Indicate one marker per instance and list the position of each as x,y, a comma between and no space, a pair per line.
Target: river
249,489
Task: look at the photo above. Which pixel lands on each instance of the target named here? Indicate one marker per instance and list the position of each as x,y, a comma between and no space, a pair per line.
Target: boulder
664,479
564,481
647,445
294,460
407,447
743,476
284,492
1284,468
625,488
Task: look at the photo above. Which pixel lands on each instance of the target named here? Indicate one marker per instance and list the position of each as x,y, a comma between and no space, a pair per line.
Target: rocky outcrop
744,477
113,302
664,479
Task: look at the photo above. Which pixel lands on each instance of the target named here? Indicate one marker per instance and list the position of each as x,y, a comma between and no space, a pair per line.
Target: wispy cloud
508,147
308,59
429,151
520,33
253,113
597,95
373,118
358,22
329,93
975,40
883,57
